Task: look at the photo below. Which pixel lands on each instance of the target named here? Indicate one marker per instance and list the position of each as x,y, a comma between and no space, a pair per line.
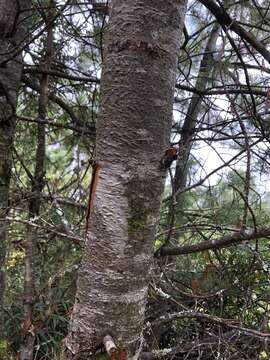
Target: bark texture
12,35
142,44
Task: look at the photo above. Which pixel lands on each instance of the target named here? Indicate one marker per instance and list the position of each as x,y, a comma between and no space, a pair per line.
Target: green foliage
3,349
232,282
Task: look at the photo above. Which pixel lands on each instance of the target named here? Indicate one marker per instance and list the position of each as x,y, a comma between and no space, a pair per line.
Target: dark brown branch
225,20
56,99
231,323
213,244
60,74
90,130
208,92
191,346
77,240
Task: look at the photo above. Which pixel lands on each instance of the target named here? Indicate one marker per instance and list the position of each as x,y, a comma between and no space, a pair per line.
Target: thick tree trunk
12,34
142,44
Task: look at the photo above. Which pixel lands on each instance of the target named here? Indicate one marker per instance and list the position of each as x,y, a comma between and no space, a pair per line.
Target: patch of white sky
211,157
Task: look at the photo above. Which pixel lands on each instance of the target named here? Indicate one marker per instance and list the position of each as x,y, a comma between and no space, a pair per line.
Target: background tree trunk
12,36
191,119
133,133
28,328
188,130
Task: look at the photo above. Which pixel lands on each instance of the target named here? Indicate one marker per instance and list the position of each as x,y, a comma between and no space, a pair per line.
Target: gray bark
137,89
12,34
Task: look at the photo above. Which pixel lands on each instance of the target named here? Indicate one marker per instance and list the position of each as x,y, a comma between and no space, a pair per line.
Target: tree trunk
191,119
142,44
28,328
12,35
175,217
